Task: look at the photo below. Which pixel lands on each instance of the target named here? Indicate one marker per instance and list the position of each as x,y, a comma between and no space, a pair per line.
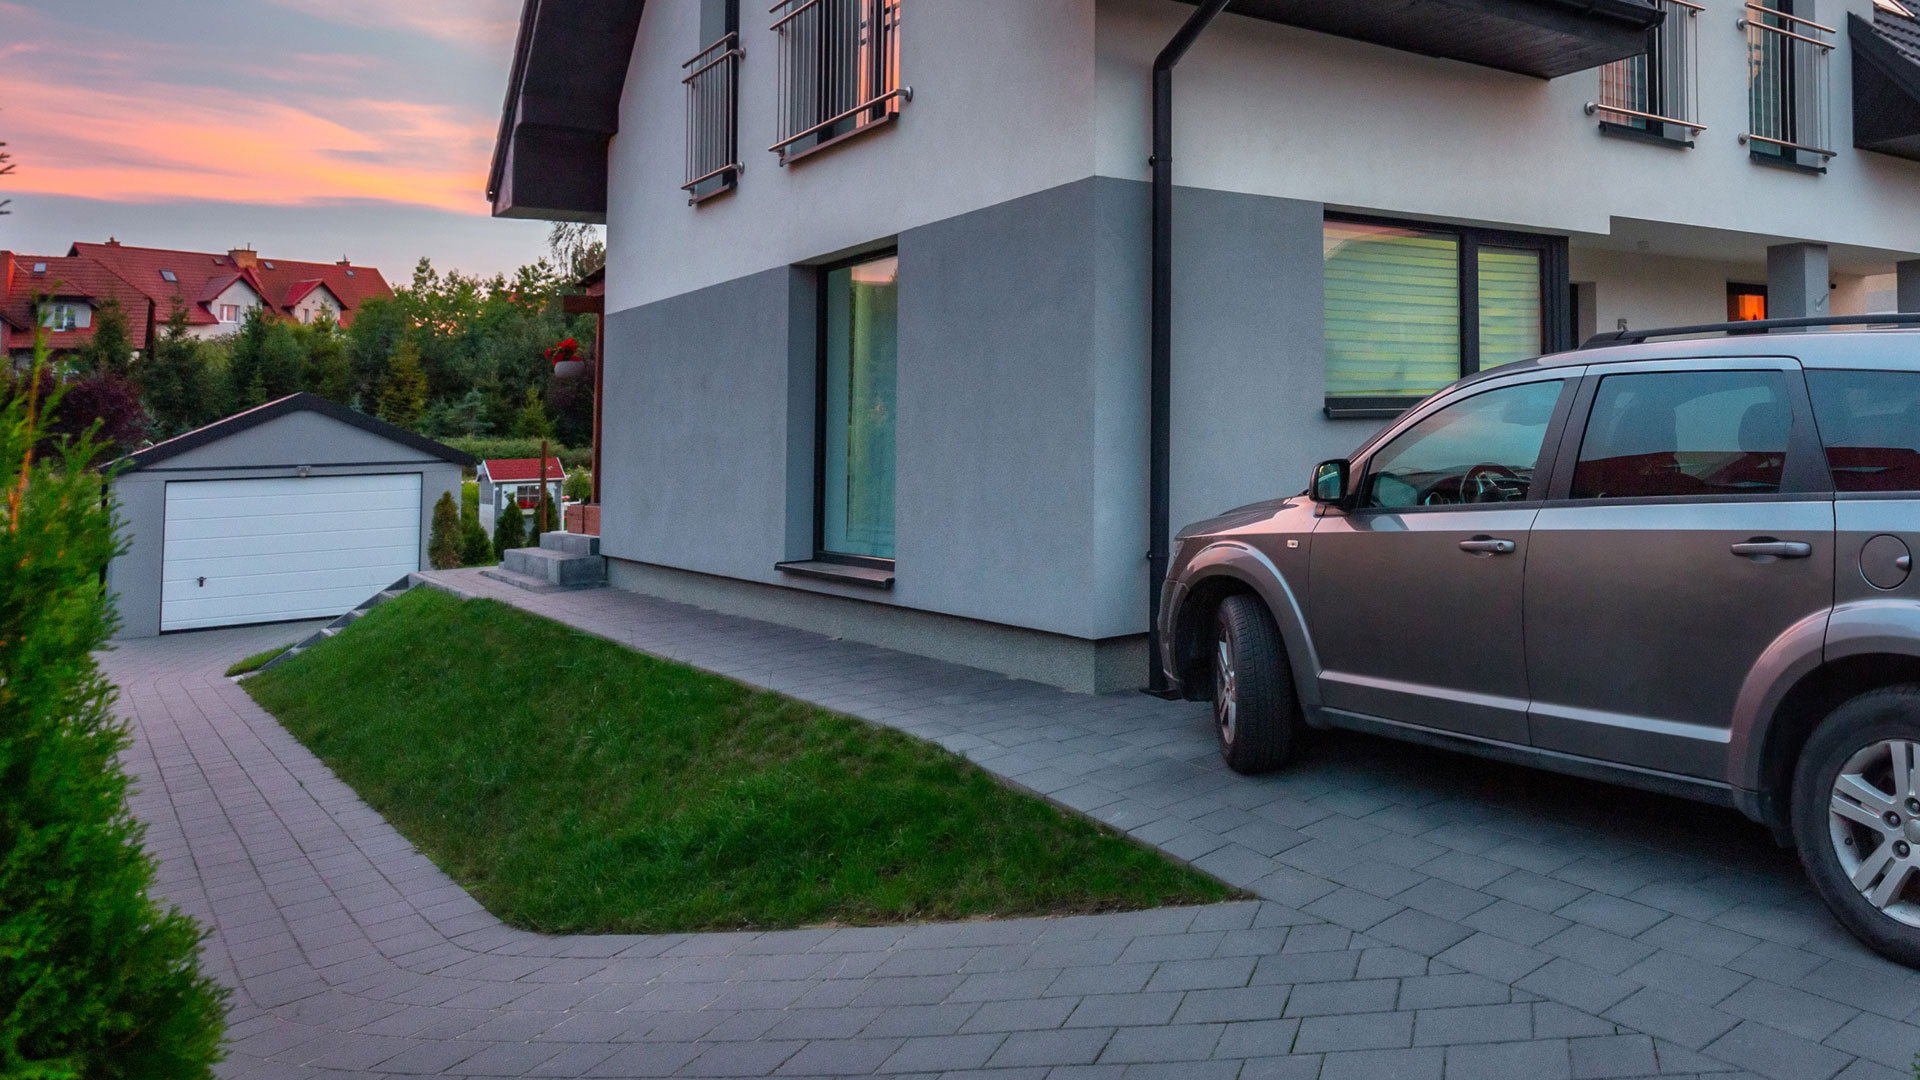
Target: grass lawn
256,661
574,785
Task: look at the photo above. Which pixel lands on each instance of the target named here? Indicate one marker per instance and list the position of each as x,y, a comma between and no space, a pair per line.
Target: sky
307,129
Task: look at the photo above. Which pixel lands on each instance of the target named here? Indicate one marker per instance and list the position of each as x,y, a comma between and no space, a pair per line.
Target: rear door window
1870,422
1685,433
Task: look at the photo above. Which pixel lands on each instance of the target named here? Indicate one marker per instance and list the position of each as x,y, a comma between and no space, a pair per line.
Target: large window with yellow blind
1411,307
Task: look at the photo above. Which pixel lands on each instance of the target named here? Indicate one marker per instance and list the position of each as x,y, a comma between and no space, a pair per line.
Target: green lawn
256,661
575,785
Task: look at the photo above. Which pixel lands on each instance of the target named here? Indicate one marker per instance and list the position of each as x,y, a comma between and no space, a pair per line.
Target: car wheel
1856,818
1253,702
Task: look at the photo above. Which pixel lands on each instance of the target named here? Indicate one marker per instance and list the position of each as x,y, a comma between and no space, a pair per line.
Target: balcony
1656,95
839,71
713,120
1788,88
1541,38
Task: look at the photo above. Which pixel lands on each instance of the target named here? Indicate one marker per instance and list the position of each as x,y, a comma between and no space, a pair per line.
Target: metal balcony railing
1662,85
1788,88
839,70
713,119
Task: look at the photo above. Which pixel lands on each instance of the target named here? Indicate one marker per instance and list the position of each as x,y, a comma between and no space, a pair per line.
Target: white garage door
249,551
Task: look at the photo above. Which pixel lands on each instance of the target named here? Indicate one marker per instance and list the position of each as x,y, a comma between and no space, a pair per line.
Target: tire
1254,709
1862,739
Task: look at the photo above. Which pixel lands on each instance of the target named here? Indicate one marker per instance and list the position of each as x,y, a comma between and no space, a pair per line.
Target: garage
299,509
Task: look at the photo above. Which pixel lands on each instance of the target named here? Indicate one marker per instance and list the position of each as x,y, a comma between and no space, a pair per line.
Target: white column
1796,281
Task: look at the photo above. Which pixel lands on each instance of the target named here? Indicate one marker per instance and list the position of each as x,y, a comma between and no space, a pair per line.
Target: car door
1691,525
1415,586
1870,425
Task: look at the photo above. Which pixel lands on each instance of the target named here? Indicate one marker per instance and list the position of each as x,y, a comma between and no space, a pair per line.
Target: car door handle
1762,547
1487,545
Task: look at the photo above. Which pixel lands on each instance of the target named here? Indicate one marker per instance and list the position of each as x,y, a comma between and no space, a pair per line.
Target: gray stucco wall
276,448
1022,471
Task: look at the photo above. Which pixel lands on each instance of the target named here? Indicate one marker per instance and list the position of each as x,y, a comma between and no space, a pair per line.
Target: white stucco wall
1002,107
314,304
1273,110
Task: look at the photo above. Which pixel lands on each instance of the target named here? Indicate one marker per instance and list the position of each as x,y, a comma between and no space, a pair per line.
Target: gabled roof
220,283
67,278
298,291
522,470
194,272
273,410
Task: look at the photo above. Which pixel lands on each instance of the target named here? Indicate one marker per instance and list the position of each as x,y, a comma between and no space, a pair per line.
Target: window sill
1628,131
791,156
1776,161
865,576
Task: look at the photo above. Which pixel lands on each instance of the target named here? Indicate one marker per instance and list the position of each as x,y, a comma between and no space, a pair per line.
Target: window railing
713,119
1661,86
839,71
1788,87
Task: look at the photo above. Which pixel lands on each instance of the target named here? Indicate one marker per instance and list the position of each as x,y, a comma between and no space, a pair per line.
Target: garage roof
272,410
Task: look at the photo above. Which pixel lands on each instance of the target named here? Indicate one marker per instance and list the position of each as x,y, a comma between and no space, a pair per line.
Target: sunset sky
310,129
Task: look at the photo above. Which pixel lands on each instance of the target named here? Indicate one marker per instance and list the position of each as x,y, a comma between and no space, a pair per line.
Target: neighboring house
880,352
517,480
68,292
216,290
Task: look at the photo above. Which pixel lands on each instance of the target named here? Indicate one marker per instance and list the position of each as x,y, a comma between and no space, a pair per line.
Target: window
854,502
713,103
1870,421
1787,85
839,71
1479,450
1403,320
1745,303
229,313
1685,433
64,317
1657,92
169,276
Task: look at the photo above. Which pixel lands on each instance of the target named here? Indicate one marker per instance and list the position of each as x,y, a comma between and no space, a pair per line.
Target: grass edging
574,784
255,662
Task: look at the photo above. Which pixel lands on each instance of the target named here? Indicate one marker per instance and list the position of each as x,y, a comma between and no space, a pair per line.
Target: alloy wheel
1874,821
1226,699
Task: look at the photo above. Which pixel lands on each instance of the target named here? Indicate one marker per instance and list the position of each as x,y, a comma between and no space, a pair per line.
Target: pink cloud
472,23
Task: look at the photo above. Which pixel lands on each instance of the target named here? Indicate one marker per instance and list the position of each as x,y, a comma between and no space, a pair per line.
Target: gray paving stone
1577,985
1776,1054
1358,1031
1612,1056
1667,1016
1124,1010
1472,1023
1068,1046
1170,1042
1547,1059
938,1053
1325,999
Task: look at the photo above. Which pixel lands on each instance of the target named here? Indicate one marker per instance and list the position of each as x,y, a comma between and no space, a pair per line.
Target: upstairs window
68,317
713,103
229,313
169,276
1657,93
1411,308
839,71
1788,88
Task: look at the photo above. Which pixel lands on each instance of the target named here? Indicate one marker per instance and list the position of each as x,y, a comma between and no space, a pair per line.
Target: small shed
298,509
504,480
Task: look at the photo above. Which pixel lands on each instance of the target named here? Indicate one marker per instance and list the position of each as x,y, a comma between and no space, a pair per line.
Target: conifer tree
403,395
444,539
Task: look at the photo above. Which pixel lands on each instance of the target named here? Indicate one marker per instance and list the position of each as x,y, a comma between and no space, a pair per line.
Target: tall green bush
444,538
509,529
475,548
96,979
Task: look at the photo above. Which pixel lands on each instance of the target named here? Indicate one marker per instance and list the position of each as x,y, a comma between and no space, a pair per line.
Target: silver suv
1682,566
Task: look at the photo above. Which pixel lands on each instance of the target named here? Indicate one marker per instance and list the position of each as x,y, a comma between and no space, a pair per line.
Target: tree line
450,356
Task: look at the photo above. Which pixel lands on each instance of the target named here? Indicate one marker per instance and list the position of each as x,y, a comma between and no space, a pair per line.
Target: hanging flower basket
565,358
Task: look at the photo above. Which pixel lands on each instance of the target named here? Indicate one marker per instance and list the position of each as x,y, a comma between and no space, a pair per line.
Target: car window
1482,449
1870,421
1679,433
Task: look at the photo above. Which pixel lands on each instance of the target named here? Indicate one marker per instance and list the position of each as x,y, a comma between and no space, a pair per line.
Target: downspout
1160,378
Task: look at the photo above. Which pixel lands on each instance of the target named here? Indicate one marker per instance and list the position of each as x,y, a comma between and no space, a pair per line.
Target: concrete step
556,567
570,543
531,583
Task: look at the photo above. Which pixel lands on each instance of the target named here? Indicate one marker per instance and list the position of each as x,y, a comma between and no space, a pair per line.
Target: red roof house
516,479
69,291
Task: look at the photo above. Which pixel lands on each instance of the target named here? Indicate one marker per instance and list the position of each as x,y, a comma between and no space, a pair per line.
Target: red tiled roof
195,271
298,291
521,470
67,278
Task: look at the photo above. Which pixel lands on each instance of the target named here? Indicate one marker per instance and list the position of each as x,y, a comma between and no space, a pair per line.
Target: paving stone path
1421,915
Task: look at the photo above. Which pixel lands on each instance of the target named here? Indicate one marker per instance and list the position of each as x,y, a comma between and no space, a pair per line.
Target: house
68,292
928,321
517,480
216,291
297,509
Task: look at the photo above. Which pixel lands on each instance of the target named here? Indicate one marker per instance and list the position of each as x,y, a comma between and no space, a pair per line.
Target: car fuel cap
1885,562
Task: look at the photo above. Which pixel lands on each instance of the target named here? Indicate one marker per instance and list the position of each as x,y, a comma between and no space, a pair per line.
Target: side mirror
1330,481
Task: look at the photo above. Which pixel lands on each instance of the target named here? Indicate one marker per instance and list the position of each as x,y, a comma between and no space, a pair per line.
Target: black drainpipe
1160,380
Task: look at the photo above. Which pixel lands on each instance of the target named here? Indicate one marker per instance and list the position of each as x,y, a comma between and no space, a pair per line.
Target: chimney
344,261
113,241
244,258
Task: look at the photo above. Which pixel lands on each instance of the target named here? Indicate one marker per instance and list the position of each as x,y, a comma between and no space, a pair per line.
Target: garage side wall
277,448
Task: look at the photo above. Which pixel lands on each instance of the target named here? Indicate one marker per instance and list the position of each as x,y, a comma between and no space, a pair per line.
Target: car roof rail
1751,326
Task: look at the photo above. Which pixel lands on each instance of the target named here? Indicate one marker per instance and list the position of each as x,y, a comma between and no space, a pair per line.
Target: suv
1681,566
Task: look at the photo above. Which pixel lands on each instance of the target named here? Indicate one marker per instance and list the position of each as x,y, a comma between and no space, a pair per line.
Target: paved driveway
1421,914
